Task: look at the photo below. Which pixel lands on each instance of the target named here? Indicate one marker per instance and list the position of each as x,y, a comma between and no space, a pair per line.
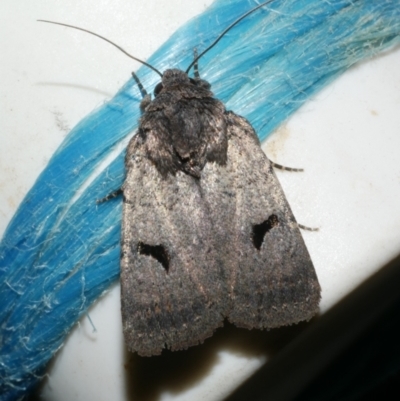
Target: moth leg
146,97
280,167
199,81
295,170
196,65
139,84
307,228
111,195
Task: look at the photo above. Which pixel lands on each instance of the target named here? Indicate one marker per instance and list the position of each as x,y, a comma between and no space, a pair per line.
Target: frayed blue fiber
61,250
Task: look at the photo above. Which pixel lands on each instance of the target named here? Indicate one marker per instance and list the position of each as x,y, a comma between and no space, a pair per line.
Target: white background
347,139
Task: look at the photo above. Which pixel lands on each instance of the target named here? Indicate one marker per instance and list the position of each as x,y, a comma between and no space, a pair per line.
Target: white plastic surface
347,139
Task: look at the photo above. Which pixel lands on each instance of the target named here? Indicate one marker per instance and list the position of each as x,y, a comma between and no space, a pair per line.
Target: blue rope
58,256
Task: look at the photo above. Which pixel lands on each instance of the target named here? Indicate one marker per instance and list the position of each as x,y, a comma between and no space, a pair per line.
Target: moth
207,233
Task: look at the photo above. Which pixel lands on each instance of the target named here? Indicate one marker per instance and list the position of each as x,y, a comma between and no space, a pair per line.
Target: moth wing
274,282
172,278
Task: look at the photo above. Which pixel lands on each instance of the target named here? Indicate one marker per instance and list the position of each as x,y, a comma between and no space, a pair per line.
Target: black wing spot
259,230
158,252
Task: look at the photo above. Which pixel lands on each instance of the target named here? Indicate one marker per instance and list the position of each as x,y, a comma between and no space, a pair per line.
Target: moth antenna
107,40
224,32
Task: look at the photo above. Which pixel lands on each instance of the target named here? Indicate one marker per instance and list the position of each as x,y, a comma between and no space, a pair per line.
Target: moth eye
259,230
158,252
158,88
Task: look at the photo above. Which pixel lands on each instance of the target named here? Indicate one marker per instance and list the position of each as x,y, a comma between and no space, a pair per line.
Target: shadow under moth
207,232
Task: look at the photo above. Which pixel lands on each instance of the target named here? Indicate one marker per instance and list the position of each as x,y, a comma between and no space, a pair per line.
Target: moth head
174,77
